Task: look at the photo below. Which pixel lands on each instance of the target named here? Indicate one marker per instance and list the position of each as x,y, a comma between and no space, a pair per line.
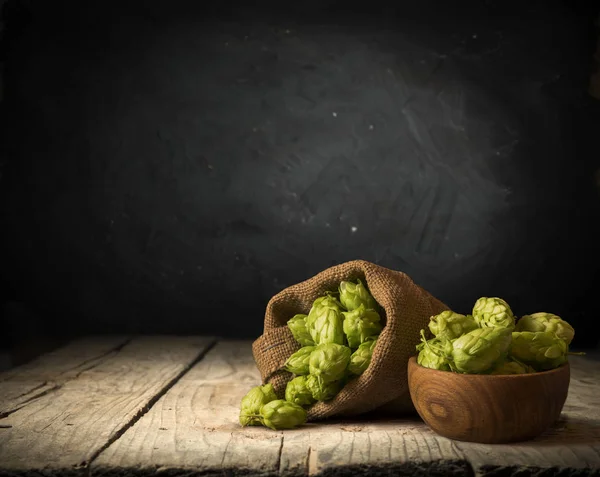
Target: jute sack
384,385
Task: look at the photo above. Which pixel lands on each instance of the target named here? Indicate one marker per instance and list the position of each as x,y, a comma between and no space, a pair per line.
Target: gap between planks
51,371
151,403
194,428
100,404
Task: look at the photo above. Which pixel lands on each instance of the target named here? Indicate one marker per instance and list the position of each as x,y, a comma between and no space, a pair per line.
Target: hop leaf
493,313
352,295
297,392
512,366
451,325
480,349
329,361
297,363
297,326
546,322
542,350
253,401
324,322
361,358
434,353
280,414
361,325
322,391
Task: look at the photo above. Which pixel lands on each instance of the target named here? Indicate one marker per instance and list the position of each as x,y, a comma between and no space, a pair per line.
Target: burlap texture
384,385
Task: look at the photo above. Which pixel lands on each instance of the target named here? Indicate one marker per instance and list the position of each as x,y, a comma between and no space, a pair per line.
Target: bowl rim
562,368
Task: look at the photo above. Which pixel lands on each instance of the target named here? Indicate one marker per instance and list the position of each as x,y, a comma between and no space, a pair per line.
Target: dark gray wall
168,168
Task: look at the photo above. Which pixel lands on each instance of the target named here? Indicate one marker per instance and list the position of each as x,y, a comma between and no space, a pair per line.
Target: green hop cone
352,295
325,301
297,363
546,322
512,366
322,391
329,361
297,326
451,325
361,325
253,401
434,353
479,350
493,313
297,392
324,322
542,350
280,414
361,358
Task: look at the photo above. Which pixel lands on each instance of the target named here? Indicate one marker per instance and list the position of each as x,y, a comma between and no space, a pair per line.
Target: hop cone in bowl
479,350
434,353
542,350
451,325
546,322
493,313
353,295
512,366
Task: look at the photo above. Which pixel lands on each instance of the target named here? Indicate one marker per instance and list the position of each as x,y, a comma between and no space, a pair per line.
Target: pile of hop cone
337,338
491,340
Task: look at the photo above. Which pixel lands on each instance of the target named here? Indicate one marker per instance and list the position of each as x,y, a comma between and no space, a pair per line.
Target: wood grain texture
573,443
191,427
195,426
23,384
65,429
488,409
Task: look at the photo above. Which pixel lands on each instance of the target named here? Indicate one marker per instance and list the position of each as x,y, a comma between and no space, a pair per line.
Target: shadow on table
571,430
568,429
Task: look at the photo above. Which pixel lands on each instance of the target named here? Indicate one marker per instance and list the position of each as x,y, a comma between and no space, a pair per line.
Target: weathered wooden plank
23,384
194,426
574,443
62,431
406,447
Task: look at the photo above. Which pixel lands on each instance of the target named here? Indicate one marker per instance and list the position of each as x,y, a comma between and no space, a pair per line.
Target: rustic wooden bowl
485,408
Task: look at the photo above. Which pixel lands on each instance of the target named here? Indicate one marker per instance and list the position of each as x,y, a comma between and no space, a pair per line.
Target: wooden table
169,406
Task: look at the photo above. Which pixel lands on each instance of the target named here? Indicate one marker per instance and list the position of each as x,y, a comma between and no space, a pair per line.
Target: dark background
167,167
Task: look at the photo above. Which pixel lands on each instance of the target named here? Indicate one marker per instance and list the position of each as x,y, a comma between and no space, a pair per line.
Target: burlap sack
384,385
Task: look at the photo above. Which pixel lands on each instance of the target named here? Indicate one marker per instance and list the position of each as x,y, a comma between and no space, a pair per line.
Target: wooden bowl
488,408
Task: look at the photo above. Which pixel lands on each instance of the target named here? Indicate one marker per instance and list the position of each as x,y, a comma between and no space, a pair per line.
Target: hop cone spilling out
338,336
